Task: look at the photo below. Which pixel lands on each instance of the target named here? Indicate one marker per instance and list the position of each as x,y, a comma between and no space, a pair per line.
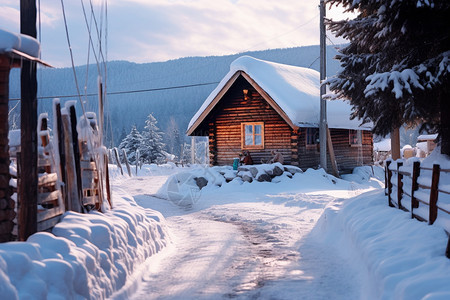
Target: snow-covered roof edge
285,84
20,45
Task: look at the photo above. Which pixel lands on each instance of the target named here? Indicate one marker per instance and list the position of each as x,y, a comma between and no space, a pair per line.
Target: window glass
258,129
253,135
312,136
355,137
258,140
248,139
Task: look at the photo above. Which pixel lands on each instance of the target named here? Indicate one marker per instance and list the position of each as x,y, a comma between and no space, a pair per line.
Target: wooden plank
47,178
331,153
88,165
48,223
399,185
61,150
116,156
49,213
90,200
388,183
434,194
414,186
76,148
126,162
73,200
108,187
48,197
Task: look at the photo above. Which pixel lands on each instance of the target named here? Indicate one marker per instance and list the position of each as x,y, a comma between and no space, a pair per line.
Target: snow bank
400,258
86,256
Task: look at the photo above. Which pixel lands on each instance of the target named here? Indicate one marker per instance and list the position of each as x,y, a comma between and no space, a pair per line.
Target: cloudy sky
159,30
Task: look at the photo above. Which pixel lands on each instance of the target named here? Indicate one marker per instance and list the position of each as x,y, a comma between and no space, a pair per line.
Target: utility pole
28,183
323,104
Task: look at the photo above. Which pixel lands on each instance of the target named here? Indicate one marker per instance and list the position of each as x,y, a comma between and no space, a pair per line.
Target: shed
427,142
261,106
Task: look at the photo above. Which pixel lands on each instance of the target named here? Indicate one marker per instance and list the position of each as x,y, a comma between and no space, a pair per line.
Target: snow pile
184,187
88,255
402,258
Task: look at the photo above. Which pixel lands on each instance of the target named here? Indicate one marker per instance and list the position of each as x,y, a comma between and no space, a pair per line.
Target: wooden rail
395,178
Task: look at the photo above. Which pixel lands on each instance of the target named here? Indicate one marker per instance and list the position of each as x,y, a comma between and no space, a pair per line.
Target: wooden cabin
261,106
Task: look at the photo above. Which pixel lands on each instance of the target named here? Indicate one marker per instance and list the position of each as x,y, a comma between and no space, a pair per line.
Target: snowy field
311,236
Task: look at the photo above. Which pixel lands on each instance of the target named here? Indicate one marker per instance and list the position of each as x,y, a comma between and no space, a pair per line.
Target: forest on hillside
168,106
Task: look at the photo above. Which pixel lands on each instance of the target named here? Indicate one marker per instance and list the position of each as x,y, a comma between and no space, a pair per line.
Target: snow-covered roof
383,145
295,90
20,45
427,137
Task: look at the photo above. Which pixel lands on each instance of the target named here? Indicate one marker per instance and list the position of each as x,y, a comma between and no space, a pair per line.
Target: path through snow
225,247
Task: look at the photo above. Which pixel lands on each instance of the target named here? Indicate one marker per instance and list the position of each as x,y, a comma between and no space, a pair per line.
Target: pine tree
396,67
152,147
131,143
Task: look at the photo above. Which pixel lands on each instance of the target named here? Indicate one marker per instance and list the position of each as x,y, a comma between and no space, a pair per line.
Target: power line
127,92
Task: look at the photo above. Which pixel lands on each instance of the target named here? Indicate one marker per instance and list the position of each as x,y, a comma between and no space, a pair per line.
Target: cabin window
312,136
252,135
355,137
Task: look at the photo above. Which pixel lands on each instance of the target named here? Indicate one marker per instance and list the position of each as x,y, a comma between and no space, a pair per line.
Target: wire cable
71,58
127,92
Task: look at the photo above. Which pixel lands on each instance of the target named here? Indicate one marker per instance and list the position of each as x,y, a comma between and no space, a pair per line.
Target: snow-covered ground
311,236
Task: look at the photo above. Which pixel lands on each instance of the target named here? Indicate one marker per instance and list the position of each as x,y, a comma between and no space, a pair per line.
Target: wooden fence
408,190
70,177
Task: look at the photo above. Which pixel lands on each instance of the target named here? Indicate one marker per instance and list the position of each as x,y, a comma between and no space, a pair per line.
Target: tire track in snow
257,250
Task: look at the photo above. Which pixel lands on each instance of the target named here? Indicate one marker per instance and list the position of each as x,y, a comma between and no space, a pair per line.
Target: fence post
125,158
434,194
414,186
119,165
137,160
389,184
399,185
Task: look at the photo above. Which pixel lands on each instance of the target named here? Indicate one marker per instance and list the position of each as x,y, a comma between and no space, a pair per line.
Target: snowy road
243,244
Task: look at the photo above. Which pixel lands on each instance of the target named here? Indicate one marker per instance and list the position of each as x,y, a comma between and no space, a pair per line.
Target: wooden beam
28,191
73,199
331,152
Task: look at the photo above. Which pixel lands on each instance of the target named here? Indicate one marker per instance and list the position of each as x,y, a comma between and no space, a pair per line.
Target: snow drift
87,256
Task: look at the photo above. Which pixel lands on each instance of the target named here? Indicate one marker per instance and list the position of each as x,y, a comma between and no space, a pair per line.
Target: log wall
347,156
225,126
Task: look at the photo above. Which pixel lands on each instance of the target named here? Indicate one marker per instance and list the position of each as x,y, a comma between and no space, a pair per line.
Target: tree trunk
395,143
445,123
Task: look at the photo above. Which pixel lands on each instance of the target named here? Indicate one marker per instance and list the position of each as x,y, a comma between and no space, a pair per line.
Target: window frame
253,146
308,134
352,133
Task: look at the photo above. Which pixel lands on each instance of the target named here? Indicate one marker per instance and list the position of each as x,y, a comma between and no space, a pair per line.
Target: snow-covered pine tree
396,67
131,143
152,147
